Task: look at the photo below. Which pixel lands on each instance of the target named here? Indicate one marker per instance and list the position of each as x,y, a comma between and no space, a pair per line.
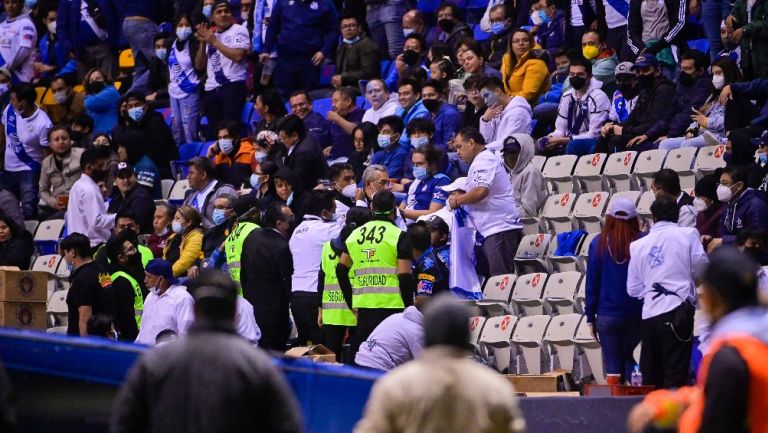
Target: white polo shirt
25,139
174,310
307,248
222,70
245,321
15,34
498,211
87,211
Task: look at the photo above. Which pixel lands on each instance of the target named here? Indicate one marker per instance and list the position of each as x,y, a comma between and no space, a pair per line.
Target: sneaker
711,139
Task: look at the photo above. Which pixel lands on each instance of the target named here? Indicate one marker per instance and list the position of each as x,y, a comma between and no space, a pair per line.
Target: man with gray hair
375,179
382,102
443,377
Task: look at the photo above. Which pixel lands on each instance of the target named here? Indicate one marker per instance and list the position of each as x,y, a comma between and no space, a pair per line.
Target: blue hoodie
748,211
397,340
606,287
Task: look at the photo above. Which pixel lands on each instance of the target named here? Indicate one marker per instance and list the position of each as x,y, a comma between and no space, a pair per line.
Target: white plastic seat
539,161
557,210
589,210
531,225
49,230
557,171
476,324
531,253
31,226
563,263
47,263
166,185
581,296
618,170
497,337
646,165
709,159
591,348
681,161
178,191
526,297
57,308
559,341
560,292
587,172
644,205
527,340
497,293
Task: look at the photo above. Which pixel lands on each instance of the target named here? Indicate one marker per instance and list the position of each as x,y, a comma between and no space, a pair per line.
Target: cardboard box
23,286
317,353
555,381
24,315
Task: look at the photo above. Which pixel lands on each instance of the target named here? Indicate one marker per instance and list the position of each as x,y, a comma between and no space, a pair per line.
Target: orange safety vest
755,354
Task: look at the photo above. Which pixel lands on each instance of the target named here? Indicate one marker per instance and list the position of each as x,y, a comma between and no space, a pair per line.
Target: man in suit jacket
303,155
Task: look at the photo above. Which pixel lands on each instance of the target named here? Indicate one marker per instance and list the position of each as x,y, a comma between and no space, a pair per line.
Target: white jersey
222,70
15,34
616,13
86,16
25,139
245,321
183,77
498,211
172,310
307,249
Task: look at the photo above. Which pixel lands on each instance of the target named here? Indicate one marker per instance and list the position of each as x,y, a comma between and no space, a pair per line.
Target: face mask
490,98
724,194
176,227
290,200
590,52
349,191
446,25
260,156
536,18
431,105
350,41
136,113
686,79
330,218
408,32
183,33
96,86
51,27
219,216
718,81
763,158
419,173
577,82
699,204
645,81
161,53
207,10
61,97
70,267
4,88
255,181
498,28
384,140
419,142
563,69
226,146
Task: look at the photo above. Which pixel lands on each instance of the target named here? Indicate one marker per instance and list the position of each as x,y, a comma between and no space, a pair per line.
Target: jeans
580,147
678,142
294,74
618,338
140,35
186,115
223,103
386,27
712,13
25,186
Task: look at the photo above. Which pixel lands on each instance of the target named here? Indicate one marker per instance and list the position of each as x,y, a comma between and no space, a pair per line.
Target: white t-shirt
173,310
25,139
15,34
222,70
307,249
245,321
183,77
388,108
498,211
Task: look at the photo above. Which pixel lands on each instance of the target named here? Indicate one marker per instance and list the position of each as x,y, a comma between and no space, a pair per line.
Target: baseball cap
622,208
511,144
644,60
124,170
460,183
624,68
434,222
161,268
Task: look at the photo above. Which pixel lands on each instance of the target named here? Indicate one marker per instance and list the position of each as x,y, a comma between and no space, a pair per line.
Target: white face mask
718,81
724,193
699,204
349,190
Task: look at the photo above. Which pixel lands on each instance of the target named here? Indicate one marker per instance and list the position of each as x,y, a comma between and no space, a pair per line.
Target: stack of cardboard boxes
23,296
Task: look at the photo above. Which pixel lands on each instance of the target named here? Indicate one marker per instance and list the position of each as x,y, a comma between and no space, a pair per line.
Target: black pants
665,358
742,148
334,339
367,320
272,318
223,103
305,307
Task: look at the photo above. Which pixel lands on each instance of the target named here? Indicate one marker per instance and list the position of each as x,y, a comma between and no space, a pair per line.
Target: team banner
463,278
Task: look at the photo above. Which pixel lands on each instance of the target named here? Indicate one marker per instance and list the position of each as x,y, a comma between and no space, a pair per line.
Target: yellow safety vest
335,309
138,299
146,255
233,248
373,250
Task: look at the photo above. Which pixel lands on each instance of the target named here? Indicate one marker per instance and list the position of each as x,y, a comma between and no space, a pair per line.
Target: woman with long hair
524,68
365,139
614,316
185,246
101,101
184,88
271,108
16,244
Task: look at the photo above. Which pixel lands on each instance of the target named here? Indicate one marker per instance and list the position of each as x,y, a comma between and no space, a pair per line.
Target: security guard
125,221
379,256
335,318
233,245
126,293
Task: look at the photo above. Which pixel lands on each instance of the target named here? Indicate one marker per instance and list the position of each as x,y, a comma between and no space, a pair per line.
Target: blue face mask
183,33
418,142
176,227
219,216
255,181
498,28
350,41
161,53
290,200
29,4
408,32
207,10
763,158
543,16
260,156
419,173
136,113
384,140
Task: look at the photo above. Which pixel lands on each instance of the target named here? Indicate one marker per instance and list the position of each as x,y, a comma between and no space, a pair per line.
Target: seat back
562,285
498,330
476,324
587,172
31,226
529,287
165,186
644,204
533,246
178,191
647,163
557,211
709,159
618,170
680,159
47,263
57,303
531,329
499,288
539,161
49,230
558,170
562,328
188,151
589,210
583,332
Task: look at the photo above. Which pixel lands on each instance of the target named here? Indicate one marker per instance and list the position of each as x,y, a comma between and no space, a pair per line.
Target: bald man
413,22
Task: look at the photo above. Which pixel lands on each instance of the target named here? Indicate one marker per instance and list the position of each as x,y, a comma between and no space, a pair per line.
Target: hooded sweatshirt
748,212
397,340
581,118
515,118
528,184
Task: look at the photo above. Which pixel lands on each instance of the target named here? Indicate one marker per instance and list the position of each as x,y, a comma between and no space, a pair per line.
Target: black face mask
410,57
96,87
76,135
627,90
446,25
577,82
686,79
431,104
645,81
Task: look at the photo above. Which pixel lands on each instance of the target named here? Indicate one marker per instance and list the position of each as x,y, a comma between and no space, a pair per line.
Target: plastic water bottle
637,377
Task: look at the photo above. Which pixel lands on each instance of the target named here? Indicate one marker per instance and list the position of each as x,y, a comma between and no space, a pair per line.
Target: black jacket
653,110
686,98
308,162
266,267
138,202
151,137
676,18
17,251
210,381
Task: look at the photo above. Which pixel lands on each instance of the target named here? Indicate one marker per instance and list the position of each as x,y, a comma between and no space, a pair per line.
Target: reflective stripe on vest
335,310
233,249
138,298
373,250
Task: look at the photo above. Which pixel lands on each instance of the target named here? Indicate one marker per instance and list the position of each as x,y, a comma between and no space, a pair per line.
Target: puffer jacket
529,77
528,184
191,250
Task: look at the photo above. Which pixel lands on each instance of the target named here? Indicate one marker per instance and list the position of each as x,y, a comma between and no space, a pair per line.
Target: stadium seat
644,205
496,295
539,161
587,172
496,338
476,324
581,296
646,165
557,171
530,253
31,226
527,341
526,297
47,263
322,106
709,159
618,171
699,44
179,189
245,118
385,64
591,349
564,263
204,148
556,212
188,151
560,292
57,311
531,225
47,236
125,59
480,35
681,160
559,341
40,90
589,210
165,186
